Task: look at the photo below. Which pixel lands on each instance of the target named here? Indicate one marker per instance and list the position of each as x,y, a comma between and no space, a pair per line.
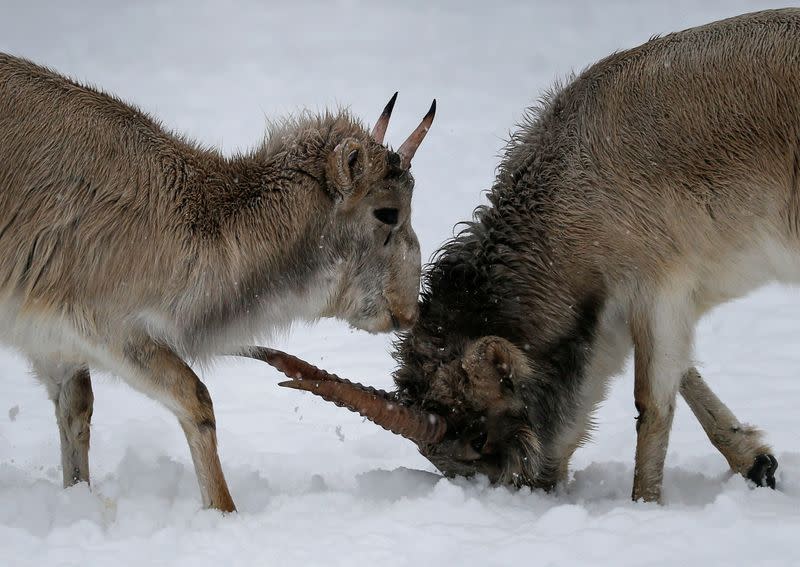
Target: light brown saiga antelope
658,183
131,249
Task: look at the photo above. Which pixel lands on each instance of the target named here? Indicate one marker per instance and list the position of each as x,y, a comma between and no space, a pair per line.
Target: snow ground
314,485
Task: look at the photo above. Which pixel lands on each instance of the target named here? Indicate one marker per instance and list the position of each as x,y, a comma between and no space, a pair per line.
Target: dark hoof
763,471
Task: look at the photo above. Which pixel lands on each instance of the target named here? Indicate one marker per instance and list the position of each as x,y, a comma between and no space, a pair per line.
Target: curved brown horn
379,130
409,147
376,405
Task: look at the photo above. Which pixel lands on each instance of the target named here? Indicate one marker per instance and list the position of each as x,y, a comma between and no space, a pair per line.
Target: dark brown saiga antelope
660,182
130,249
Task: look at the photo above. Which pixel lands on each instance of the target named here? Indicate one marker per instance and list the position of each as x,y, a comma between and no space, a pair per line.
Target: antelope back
120,223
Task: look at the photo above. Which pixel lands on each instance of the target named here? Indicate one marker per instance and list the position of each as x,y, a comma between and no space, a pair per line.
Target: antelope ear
346,165
493,365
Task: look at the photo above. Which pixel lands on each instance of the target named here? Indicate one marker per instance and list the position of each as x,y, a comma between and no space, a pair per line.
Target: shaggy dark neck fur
503,276
484,284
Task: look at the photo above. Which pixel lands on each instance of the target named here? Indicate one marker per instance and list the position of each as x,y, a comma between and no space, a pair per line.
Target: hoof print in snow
763,471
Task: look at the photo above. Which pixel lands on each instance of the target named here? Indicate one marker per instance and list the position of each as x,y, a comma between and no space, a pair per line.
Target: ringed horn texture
376,405
409,147
379,131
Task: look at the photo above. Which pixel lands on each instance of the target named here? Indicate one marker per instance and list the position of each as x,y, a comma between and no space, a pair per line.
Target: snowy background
314,485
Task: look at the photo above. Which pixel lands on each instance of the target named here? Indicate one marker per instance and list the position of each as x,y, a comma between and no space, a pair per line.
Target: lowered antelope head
471,419
379,278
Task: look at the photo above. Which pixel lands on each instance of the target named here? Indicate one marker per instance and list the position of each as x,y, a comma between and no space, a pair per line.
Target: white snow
314,484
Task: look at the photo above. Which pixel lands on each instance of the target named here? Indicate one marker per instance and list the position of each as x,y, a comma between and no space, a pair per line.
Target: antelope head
471,420
380,267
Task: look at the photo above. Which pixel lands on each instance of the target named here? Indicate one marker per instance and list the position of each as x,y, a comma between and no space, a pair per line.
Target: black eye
478,442
386,216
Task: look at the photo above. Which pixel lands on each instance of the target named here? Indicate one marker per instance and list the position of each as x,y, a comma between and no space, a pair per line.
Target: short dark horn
379,130
409,147
377,406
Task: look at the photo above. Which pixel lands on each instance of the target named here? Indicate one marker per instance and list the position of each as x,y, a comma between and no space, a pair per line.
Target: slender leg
742,446
161,374
74,414
70,389
662,342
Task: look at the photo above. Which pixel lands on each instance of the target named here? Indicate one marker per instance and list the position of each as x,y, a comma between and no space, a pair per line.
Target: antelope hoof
763,471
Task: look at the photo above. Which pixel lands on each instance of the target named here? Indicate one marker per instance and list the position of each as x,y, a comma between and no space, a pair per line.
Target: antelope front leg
74,413
741,445
161,374
662,342
70,388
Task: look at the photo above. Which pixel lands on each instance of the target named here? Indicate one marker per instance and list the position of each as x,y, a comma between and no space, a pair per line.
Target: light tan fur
658,183
130,249
740,444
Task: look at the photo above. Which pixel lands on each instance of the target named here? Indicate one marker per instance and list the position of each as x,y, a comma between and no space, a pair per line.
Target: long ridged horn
379,130
376,405
409,147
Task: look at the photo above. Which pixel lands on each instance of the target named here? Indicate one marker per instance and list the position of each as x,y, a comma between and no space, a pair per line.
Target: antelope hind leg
742,445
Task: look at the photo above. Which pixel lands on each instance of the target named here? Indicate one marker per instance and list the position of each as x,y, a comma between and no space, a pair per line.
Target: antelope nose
404,319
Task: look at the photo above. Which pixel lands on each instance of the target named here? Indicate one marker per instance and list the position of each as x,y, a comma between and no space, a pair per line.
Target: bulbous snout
402,288
379,288
389,321
401,307
404,317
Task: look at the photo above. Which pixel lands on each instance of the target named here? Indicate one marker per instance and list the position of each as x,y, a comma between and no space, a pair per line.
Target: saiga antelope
134,250
658,183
